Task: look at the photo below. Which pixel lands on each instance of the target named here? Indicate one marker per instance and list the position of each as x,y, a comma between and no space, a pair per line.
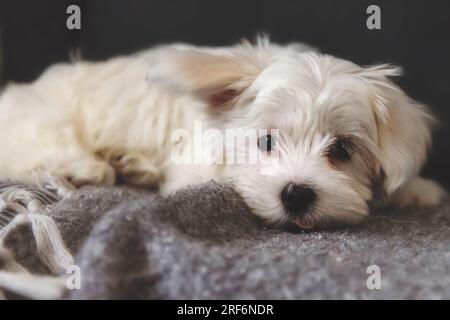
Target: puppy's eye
267,143
341,150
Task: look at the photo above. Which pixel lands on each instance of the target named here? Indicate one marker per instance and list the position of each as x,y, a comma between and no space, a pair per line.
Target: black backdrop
414,34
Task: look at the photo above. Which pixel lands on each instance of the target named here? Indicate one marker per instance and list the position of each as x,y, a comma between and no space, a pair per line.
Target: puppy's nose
297,198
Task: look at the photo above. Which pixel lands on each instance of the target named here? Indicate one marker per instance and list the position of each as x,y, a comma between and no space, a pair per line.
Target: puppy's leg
134,168
79,167
39,132
419,191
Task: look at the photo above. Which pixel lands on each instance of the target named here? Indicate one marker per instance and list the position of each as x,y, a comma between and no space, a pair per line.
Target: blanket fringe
50,245
15,278
32,286
21,204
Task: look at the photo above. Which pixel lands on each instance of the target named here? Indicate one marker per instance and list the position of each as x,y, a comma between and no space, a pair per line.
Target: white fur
94,122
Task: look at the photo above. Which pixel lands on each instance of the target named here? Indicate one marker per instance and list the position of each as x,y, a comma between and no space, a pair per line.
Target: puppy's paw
91,173
420,192
136,169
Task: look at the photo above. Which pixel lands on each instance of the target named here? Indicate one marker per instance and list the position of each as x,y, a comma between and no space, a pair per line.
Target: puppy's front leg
79,167
419,191
135,168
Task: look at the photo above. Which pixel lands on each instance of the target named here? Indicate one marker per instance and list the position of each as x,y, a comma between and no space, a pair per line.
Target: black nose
297,198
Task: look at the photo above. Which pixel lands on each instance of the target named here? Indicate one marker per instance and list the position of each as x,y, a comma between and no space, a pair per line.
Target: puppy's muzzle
297,199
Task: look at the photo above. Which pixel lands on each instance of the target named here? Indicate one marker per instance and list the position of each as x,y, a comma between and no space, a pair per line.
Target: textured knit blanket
203,243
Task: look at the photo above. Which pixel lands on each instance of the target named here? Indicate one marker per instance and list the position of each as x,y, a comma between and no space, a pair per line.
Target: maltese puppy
328,134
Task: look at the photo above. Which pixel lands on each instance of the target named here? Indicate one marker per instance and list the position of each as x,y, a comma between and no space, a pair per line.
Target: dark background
414,34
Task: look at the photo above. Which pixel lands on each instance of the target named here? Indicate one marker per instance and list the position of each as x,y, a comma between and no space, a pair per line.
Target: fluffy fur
94,123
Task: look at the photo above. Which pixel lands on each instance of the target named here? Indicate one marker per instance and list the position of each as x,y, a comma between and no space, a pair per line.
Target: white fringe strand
20,204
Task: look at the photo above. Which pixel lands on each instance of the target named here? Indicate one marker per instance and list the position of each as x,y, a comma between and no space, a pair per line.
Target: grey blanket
203,243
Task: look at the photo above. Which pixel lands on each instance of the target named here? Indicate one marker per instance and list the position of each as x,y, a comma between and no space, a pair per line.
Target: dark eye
341,150
266,143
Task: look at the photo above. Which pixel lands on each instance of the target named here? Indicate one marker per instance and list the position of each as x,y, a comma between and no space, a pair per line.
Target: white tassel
17,279
32,286
21,204
50,246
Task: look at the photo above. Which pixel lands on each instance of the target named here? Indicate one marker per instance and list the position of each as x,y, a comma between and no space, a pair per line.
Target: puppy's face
339,128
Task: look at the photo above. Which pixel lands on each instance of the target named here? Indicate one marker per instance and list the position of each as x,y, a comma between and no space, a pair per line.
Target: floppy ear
404,128
216,76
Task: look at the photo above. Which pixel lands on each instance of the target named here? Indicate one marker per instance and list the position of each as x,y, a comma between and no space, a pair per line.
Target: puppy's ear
404,128
216,76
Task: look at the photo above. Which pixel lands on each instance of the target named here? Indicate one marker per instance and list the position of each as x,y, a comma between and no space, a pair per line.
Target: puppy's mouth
305,222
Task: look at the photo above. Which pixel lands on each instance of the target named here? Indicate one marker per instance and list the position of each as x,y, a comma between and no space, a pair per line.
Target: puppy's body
86,121
92,123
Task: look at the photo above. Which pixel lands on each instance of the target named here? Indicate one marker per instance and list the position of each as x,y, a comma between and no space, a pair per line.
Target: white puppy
341,128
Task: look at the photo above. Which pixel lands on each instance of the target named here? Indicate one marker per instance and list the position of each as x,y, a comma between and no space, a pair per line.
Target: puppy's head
340,127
